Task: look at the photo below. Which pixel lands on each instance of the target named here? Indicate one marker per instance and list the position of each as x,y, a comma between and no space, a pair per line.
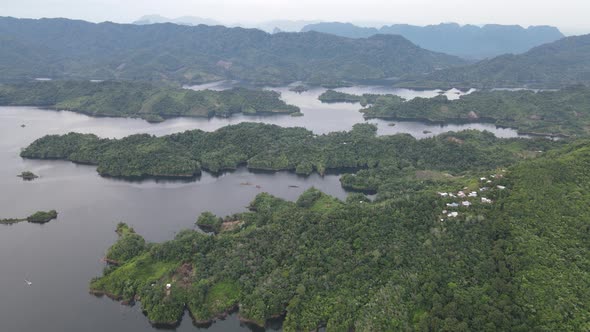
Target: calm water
62,256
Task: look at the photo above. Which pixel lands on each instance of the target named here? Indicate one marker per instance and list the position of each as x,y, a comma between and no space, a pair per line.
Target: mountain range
184,20
63,48
467,41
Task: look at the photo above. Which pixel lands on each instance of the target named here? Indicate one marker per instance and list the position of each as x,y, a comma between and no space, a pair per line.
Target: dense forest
273,148
561,113
514,260
467,41
553,65
70,49
132,99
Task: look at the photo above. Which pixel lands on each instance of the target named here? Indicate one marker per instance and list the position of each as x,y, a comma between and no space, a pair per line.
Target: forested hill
62,48
564,62
468,41
516,261
141,100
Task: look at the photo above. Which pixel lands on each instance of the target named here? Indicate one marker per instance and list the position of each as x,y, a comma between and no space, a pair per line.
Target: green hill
516,263
69,49
553,65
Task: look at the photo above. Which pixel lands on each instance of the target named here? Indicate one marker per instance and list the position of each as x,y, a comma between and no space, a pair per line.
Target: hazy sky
569,15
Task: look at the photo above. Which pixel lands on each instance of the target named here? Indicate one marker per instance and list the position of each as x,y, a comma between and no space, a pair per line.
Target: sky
571,16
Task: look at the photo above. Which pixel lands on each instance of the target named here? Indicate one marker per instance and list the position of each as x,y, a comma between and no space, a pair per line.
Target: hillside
61,48
564,62
468,41
514,261
141,100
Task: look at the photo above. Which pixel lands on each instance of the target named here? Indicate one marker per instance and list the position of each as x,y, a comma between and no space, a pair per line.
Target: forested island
332,96
551,113
513,258
273,148
142,100
28,175
39,217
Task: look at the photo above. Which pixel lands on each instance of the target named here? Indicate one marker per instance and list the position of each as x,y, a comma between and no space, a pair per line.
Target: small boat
28,282
293,186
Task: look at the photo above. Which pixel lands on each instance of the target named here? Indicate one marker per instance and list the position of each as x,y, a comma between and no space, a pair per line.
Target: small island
332,96
299,88
28,175
39,217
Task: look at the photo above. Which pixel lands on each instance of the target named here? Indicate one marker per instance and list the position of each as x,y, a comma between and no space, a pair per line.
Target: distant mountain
561,63
61,48
468,41
267,26
283,25
184,20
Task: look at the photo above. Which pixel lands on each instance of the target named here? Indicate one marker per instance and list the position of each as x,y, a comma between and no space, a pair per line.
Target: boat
28,282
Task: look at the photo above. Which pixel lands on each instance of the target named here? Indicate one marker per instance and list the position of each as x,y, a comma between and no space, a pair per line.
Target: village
456,202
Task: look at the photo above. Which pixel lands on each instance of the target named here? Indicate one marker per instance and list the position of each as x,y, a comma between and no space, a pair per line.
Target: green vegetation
192,55
209,222
518,263
559,113
28,175
554,65
331,96
154,104
10,221
272,148
39,217
129,245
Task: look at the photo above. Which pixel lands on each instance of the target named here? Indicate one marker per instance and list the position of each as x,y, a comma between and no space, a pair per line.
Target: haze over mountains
267,26
184,20
62,48
468,41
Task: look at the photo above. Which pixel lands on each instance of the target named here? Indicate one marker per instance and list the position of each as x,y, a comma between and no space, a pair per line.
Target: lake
61,257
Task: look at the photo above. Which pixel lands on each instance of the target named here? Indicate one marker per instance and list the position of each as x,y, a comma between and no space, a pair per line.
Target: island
332,96
474,252
558,113
299,88
142,100
272,148
28,175
39,217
